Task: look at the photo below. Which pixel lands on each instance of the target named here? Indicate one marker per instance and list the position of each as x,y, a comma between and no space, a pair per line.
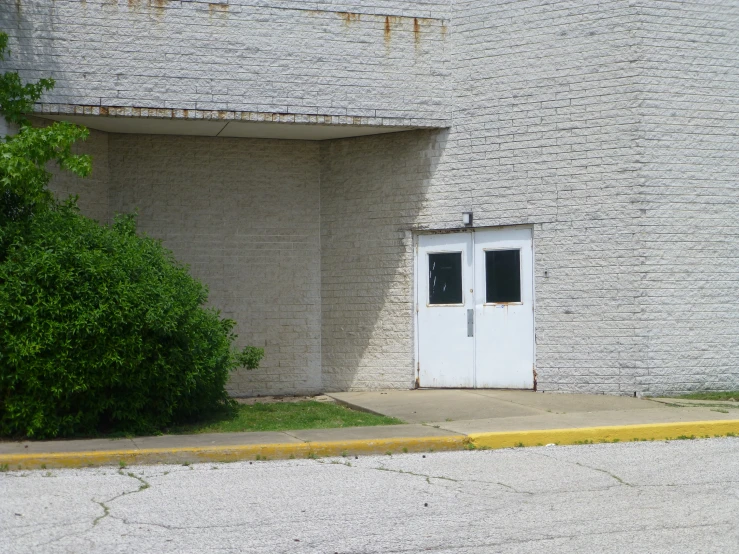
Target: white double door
475,309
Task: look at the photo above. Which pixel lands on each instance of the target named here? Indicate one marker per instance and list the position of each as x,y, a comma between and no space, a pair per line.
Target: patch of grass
283,416
711,395
4,468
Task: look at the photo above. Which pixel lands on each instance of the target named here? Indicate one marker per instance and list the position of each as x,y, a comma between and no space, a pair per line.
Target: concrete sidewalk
436,420
479,411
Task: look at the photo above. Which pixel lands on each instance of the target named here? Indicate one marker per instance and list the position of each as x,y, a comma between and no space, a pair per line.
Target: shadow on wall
243,213
373,190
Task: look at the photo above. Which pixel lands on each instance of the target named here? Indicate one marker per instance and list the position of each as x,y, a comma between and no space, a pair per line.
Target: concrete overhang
209,128
152,121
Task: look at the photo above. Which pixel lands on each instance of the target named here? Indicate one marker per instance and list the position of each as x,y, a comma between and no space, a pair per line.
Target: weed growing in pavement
343,453
388,453
43,466
312,456
4,468
685,438
405,450
122,464
520,445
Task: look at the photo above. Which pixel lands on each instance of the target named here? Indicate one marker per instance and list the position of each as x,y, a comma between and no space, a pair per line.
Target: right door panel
504,314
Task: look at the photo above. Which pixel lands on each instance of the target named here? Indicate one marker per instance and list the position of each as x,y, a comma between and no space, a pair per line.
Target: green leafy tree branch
101,330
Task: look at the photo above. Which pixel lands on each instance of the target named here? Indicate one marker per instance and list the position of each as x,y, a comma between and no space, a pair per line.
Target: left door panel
445,328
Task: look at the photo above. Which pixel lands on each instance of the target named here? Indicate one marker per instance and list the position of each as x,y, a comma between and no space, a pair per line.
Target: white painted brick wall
544,133
611,128
283,57
372,191
690,194
244,214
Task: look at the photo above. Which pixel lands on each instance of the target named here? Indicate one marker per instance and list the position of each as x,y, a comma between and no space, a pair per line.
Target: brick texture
385,60
372,193
690,194
545,133
243,213
610,128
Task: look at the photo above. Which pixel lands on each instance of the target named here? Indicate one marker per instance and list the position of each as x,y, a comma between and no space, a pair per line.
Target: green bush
101,330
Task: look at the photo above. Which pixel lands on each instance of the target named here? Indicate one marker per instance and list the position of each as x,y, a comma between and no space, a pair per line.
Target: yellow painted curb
277,451
616,433
231,453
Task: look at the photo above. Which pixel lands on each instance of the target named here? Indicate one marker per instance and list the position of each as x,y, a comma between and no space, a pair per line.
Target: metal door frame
415,304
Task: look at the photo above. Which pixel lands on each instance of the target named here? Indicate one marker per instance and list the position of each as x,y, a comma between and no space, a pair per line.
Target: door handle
470,323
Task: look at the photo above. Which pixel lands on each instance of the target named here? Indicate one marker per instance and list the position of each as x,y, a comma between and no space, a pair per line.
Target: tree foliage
100,329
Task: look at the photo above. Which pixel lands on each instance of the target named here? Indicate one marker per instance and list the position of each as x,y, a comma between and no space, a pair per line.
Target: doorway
475,309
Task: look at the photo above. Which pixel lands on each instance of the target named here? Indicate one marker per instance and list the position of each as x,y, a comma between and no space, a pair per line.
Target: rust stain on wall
159,7
416,31
390,20
217,9
349,17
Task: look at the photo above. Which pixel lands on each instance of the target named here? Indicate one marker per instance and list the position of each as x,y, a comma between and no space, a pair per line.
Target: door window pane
503,276
445,278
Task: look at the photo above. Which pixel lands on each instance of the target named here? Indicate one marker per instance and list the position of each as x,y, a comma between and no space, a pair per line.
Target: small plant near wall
101,329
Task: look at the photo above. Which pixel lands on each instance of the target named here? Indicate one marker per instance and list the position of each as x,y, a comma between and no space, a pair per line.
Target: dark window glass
445,278
503,275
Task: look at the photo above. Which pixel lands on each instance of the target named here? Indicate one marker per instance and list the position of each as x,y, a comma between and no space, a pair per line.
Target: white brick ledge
230,115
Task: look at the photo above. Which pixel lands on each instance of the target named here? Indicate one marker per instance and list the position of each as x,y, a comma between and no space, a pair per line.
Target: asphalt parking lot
678,496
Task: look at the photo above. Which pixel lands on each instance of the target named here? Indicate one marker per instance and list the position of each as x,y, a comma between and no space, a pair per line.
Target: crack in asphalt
578,464
143,485
428,477
508,540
